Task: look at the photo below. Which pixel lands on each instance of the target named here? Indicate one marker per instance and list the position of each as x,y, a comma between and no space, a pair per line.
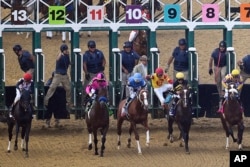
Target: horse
98,118
231,116
22,118
140,43
183,118
137,114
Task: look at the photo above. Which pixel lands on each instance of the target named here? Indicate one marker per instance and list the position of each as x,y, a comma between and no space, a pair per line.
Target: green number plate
57,15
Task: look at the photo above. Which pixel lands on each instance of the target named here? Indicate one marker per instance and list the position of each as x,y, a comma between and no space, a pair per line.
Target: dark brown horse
138,114
98,118
140,43
232,116
23,117
183,118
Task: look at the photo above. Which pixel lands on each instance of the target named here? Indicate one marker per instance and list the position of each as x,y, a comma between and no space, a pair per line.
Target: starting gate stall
183,15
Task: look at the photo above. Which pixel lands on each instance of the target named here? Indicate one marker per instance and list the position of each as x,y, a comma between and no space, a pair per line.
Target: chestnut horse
137,114
183,118
140,43
231,116
98,118
22,118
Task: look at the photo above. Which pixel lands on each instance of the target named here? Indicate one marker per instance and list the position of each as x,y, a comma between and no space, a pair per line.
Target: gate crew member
235,78
219,57
244,65
129,60
60,76
25,59
180,57
93,63
24,83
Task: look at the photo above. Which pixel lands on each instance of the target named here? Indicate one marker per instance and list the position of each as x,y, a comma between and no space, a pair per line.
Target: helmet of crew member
146,6
159,71
17,48
63,47
91,44
27,77
127,44
223,44
137,77
100,76
179,75
235,73
182,41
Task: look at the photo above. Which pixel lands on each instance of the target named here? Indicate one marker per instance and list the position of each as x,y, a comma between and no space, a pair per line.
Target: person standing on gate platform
60,76
181,58
25,59
24,83
244,65
93,63
219,60
142,67
129,60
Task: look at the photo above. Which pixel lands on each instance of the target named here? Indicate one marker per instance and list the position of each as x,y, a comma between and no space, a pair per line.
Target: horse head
232,91
185,96
25,99
142,96
142,35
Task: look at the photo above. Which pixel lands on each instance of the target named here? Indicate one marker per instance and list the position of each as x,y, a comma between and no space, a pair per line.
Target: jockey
24,83
235,78
92,88
135,84
145,14
159,79
177,87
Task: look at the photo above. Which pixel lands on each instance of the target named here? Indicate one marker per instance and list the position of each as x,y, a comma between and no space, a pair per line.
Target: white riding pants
159,91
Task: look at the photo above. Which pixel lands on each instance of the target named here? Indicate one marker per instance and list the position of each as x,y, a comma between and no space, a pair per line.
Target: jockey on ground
24,83
92,88
161,83
146,15
135,84
235,78
177,87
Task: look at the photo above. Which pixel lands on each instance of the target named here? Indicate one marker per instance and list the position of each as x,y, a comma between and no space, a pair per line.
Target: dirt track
67,146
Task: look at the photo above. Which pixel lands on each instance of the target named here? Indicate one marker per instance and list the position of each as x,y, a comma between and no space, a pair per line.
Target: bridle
143,98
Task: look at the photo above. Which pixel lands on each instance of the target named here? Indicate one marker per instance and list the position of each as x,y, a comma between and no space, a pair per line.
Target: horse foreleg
119,131
17,131
104,140
22,138
241,128
136,137
145,124
10,128
27,132
129,138
95,141
170,129
90,142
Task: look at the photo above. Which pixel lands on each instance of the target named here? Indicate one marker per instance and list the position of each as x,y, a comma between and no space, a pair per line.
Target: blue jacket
136,85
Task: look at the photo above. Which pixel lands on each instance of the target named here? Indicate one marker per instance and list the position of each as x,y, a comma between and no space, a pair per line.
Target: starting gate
183,15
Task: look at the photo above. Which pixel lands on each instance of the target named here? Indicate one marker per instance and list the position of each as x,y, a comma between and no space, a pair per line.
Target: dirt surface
67,145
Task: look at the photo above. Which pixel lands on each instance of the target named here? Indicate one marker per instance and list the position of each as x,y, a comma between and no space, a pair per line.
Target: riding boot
11,110
125,108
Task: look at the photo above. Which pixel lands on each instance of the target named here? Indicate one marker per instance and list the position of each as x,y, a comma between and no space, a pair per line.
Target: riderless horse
137,114
231,116
183,118
98,118
22,118
140,42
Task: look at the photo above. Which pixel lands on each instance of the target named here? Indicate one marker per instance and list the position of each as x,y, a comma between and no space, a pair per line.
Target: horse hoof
147,144
129,145
26,155
15,148
90,147
118,147
96,153
187,152
23,149
8,151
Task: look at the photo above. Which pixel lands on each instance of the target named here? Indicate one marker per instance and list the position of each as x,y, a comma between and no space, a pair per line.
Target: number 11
96,13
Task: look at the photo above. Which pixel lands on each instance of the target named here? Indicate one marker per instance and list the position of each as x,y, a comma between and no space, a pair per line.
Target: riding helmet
17,48
27,77
235,72
63,47
127,44
137,77
182,41
91,44
159,71
223,44
179,75
100,76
